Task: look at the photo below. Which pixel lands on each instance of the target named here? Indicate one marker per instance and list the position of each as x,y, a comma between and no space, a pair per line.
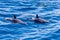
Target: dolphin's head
9,19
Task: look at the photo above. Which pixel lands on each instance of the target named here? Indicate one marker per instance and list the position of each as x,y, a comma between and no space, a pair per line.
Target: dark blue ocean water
23,9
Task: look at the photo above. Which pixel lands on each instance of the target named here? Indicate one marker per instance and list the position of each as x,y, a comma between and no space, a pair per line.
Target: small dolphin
38,20
15,20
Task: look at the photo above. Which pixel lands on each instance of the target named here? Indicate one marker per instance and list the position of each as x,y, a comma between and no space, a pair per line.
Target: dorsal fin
14,16
37,16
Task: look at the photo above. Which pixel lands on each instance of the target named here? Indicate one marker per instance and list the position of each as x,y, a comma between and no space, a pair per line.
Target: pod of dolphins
36,19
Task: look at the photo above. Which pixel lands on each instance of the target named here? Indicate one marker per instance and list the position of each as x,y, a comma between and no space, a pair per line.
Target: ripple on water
28,9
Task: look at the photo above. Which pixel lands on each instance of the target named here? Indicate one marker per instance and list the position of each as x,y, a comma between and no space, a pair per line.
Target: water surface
23,9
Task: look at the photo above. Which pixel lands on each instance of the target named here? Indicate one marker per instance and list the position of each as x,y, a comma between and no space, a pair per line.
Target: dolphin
15,20
38,20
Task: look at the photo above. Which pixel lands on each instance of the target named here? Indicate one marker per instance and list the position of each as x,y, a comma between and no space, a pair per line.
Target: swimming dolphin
15,20
38,20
